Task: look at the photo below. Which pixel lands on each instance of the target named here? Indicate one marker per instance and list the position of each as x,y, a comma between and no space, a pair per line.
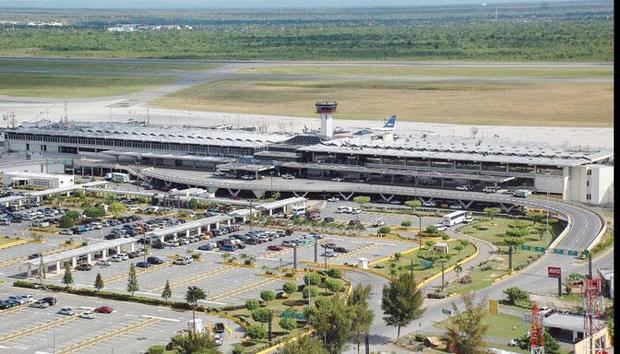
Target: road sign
573,253
493,307
526,247
554,272
539,249
558,251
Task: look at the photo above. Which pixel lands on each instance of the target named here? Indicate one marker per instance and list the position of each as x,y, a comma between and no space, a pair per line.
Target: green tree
405,223
262,315
67,221
334,285
267,295
132,280
465,331
192,296
551,345
413,204
289,287
166,294
515,294
67,278
256,332
515,242
94,212
458,269
288,324
609,317
193,343
72,214
491,212
117,209
99,282
192,204
384,230
304,345
362,314
361,200
252,304
332,320
312,279
431,229
312,290
536,217
402,301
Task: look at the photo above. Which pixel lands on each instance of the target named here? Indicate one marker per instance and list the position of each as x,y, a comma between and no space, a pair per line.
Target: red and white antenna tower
537,339
592,314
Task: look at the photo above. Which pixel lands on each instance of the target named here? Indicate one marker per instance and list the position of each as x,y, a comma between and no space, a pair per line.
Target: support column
57,267
89,258
118,249
199,230
217,225
228,222
132,246
104,254
186,233
73,262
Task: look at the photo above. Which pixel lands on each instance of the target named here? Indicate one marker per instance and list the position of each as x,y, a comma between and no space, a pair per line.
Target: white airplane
389,126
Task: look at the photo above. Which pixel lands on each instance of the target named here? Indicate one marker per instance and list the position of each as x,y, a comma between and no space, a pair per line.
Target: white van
344,210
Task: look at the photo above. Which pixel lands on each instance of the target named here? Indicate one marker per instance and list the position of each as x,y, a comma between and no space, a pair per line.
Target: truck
118,177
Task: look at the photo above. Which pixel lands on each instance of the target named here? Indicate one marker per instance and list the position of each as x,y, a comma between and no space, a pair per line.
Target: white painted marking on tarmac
145,293
215,302
162,318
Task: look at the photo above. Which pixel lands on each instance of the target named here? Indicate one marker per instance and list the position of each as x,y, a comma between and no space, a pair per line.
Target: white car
104,263
441,227
287,176
333,199
337,179
87,315
513,342
356,211
429,204
67,311
40,305
124,256
462,188
116,258
546,311
217,340
455,206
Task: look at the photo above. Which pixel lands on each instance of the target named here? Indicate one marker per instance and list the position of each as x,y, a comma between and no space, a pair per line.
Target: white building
15,178
592,184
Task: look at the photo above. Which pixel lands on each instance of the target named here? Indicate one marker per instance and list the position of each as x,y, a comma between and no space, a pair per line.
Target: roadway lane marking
244,289
38,328
118,277
216,271
132,327
162,318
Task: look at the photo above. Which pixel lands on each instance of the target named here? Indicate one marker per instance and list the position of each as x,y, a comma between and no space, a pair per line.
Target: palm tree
192,296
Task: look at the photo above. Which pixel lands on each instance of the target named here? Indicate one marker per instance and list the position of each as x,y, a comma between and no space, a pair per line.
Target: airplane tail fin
391,122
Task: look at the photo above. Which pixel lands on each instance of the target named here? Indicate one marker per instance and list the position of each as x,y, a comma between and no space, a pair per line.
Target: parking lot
130,328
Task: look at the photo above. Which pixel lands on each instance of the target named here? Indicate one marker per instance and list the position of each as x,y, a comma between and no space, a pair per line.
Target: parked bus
522,193
299,210
454,218
118,177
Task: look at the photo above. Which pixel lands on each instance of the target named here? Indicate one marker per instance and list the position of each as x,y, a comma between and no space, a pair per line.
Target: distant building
37,179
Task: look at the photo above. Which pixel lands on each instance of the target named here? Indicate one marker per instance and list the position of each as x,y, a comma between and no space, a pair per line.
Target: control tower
325,109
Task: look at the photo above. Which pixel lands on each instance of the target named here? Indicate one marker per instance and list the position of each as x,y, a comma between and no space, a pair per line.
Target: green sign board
426,264
558,251
573,253
539,249
526,247
586,253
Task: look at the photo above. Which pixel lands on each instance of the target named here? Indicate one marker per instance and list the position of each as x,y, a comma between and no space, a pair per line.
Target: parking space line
13,309
139,271
244,289
132,327
357,250
38,328
198,277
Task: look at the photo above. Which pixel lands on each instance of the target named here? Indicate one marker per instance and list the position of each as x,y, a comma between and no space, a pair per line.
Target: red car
275,248
104,309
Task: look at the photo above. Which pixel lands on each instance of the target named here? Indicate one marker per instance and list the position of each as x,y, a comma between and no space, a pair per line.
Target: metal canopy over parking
284,203
192,225
74,254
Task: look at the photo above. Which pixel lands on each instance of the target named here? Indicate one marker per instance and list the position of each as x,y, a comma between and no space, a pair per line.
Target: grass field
531,71
403,264
437,101
74,86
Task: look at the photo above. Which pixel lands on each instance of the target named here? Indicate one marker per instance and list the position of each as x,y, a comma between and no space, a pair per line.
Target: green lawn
480,279
69,85
404,262
494,231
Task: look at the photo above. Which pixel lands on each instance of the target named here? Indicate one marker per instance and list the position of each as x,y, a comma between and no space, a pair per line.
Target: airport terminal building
416,160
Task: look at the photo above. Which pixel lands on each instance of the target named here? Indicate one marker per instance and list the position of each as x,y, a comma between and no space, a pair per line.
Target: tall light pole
547,220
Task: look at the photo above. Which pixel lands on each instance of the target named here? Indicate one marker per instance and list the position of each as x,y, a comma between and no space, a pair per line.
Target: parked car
341,250
154,260
219,327
275,248
67,311
49,300
104,263
104,309
328,253
333,199
143,264
87,315
116,258
429,204
40,304
84,267
546,311
462,188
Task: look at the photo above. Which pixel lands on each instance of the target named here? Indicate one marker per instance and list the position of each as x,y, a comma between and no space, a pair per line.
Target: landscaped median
10,242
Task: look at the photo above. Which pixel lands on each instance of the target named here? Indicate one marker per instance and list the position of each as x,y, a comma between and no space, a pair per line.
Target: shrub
437,295
288,324
252,304
267,295
289,287
157,349
445,237
334,273
515,294
313,290
464,242
431,229
261,315
419,338
312,279
256,332
465,279
384,230
458,247
405,223
334,285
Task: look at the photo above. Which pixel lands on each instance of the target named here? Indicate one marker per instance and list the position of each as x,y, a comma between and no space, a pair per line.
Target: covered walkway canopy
282,204
188,227
73,255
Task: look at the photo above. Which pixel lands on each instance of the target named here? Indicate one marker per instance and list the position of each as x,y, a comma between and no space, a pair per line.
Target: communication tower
593,313
325,109
537,339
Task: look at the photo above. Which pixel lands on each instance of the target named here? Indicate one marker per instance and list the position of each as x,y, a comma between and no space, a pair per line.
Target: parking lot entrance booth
362,263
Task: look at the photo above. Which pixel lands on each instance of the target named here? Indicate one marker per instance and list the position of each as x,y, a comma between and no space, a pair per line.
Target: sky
167,4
